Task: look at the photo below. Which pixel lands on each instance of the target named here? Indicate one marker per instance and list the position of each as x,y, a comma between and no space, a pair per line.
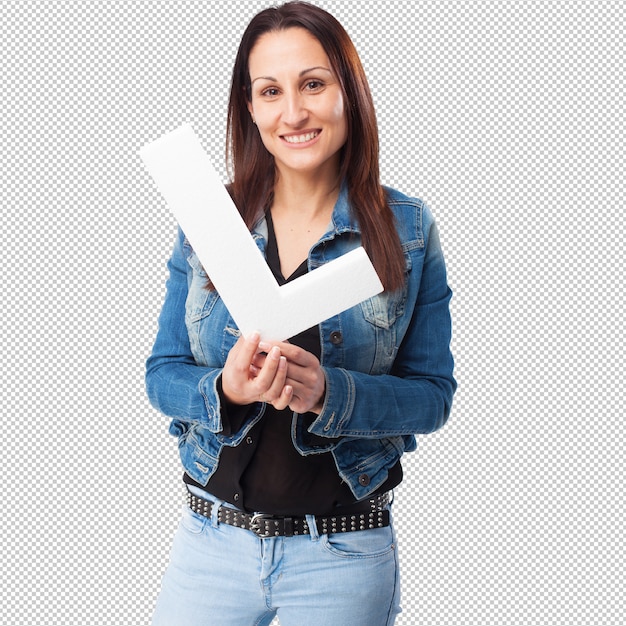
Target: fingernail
263,345
254,337
275,352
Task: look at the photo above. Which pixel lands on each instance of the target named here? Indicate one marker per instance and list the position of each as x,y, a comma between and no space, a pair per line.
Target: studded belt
374,515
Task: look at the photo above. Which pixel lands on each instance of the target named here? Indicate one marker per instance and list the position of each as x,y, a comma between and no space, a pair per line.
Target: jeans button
336,337
364,480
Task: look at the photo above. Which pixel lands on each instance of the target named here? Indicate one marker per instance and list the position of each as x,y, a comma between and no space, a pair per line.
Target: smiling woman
297,104
253,169
291,449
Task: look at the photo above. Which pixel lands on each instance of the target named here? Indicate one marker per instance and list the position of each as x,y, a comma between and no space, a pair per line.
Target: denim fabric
219,575
387,361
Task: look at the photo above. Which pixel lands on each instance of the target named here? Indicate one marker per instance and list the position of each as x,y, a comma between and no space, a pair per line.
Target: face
297,103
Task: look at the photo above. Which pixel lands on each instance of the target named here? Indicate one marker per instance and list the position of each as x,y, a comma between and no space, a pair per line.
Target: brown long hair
252,167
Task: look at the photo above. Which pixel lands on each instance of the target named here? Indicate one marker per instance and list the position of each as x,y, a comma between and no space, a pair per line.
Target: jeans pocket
360,544
193,522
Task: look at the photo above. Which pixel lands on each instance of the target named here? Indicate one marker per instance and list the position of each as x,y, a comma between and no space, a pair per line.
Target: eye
270,92
313,85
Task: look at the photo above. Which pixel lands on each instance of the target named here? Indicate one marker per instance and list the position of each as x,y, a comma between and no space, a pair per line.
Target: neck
307,197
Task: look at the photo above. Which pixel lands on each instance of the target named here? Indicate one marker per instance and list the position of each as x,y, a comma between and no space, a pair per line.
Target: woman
291,449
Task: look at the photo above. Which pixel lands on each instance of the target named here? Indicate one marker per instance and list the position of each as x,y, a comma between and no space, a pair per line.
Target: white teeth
300,138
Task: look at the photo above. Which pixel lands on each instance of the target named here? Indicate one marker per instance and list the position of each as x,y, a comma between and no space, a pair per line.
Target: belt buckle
255,524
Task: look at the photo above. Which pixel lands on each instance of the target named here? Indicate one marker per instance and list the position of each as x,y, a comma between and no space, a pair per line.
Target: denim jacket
387,361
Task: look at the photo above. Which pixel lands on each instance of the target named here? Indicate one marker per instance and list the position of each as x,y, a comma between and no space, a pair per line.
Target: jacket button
236,497
336,337
364,480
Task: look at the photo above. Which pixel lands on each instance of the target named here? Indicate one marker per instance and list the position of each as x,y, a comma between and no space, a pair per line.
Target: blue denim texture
219,575
387,361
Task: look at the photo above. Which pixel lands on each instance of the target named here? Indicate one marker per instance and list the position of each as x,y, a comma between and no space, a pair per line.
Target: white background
507,118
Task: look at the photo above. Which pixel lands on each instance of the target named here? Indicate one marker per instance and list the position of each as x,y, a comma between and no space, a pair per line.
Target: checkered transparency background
507,118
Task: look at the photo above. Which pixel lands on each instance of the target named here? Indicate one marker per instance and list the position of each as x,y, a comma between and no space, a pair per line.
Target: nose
294,109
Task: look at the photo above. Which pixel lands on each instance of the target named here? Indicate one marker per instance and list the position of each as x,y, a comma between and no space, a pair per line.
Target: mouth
302,137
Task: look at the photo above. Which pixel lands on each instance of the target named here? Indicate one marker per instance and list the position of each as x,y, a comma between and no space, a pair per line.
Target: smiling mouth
301,138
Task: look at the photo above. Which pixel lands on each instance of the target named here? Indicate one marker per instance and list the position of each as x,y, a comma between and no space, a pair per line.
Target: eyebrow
302,73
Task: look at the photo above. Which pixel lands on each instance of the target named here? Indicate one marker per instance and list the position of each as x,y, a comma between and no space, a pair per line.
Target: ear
250,110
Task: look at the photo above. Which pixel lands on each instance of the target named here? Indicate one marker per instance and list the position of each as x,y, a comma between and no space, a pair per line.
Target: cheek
264,124
337,114
266,140
263,113
338,111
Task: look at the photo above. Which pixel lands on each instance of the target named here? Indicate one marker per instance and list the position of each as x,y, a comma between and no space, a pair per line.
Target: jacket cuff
208,388
231,428
338,405
234,416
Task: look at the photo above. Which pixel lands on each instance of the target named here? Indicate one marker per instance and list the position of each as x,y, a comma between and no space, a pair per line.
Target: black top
265,473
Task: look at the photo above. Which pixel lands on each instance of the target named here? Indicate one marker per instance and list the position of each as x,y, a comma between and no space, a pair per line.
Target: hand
304,376
248,378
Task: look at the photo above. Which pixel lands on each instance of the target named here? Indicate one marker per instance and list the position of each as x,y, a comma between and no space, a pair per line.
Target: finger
249,348
306,376
237,373
279,395
267,372
293,353
254,371
308,391
275,389
285,398
302,365
259,359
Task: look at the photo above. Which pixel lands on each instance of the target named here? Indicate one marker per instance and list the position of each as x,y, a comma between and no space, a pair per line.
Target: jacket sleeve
416,396
175,384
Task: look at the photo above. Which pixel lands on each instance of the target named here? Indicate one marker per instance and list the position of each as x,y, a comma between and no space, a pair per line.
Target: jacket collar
342,220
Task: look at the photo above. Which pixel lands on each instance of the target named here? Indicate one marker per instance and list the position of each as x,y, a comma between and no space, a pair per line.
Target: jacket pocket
384,309
199,458
200,299
200,303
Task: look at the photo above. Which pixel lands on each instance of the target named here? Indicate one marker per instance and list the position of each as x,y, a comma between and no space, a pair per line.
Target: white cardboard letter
195,194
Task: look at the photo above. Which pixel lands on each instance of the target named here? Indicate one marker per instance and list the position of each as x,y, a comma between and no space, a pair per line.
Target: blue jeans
220,575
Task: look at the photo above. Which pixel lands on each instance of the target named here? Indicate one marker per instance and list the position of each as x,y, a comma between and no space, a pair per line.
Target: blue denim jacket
387,361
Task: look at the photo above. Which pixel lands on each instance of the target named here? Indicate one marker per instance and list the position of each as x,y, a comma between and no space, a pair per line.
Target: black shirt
265,473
